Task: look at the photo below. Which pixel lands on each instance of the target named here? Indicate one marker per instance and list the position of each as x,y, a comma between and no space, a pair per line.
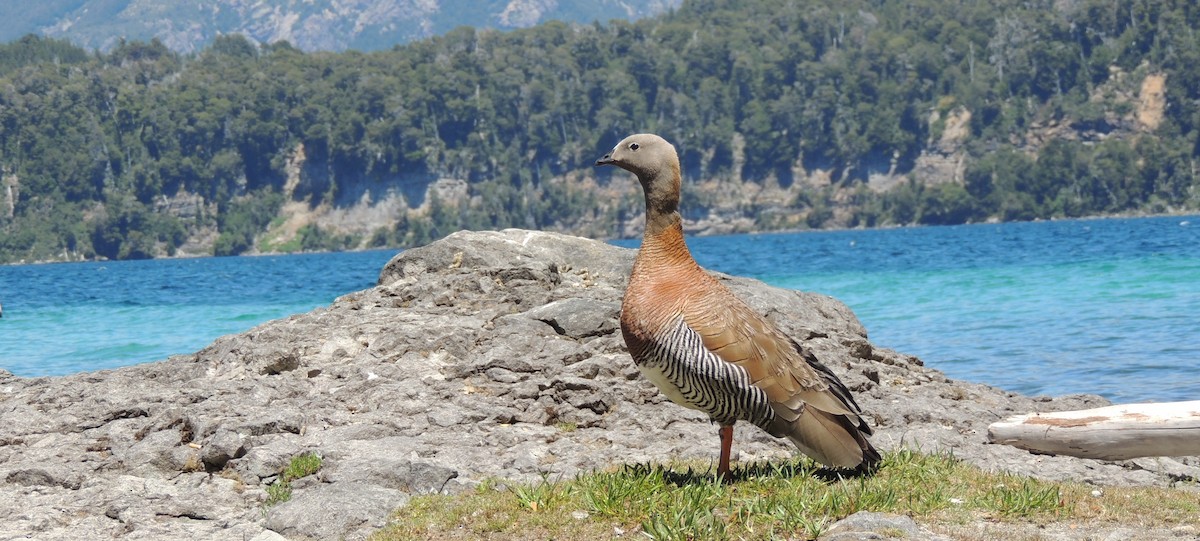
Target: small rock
268,535
41,477
1122,534
866,525
410,476
280,363
223,446
502,375
335,511
1186,530
577,317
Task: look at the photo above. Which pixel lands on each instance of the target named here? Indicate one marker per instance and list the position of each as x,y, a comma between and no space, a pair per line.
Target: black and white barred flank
692,376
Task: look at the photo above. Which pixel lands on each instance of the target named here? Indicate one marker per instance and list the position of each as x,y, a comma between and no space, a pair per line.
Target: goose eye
634,146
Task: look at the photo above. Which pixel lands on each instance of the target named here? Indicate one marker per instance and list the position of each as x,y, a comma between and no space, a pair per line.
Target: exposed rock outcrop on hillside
491,354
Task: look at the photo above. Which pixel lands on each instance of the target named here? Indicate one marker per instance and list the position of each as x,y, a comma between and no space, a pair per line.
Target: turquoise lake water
71,317
1110,306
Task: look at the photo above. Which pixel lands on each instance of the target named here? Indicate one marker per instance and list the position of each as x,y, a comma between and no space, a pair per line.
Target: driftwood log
1117,432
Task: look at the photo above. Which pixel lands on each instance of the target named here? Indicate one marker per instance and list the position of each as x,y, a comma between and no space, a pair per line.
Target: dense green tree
947,203
34,50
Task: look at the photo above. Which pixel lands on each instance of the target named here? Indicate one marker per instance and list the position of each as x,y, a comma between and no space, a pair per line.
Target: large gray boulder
485,354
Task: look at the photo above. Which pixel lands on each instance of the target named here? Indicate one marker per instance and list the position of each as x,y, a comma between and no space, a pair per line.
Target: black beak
606,160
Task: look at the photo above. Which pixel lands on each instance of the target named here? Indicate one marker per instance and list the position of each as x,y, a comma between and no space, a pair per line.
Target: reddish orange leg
726,447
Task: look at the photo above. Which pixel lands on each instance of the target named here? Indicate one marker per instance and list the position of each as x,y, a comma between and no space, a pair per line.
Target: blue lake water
70,317
1098,306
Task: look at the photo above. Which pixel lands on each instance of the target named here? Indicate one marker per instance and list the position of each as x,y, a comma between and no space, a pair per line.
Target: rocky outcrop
1152,102
491,354
10,185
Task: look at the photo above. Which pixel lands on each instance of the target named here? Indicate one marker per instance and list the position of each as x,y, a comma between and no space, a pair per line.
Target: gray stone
159,452
223,446
869,526
502,252
335,511
410,476
265,461
268,535
578,318
41,477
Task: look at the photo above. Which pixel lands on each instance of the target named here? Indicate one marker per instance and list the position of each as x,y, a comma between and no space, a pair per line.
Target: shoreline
1131,215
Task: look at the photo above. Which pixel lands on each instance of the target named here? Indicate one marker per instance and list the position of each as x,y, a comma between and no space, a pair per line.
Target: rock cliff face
484,354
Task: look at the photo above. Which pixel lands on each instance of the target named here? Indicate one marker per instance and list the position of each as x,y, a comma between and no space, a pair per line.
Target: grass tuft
278,492
302,466
299,466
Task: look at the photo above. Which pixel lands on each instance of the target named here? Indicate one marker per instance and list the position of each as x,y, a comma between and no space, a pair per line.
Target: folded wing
812,407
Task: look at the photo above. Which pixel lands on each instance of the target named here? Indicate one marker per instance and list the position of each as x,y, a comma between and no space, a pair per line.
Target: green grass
793,500
300,466
278,492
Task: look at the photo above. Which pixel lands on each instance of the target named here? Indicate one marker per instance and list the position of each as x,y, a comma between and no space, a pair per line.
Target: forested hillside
786,113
